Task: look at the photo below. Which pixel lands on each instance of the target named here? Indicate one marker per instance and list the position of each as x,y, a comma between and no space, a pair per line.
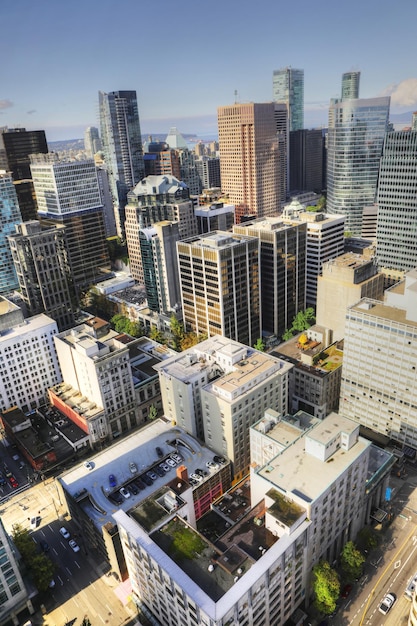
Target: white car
196,477
170,462
387,603
212,465
74,545
133,467
88,465
64,533
125,493
35,521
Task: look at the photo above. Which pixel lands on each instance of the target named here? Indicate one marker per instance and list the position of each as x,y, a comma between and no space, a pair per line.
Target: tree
260,345
153,412
156,335
287,335
351,561
367,538
188,341
120,323
86,621
39,565
303,320
326,587
177,331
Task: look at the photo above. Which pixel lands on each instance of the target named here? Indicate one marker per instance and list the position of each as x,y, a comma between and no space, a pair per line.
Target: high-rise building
283,135
122,146
380,393
160,159
29,363
9,217
282,269
249,158
414,121
14,597
350,85
16,146
306,160
156,199
92,141
208,169
356,134
41,263
396,235
187,160
219,281
160,265
288,87
67,193
214,216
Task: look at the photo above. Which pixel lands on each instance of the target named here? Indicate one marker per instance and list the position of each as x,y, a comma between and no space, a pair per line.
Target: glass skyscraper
122,146
288,87
397,202
9,217
356,134
350,85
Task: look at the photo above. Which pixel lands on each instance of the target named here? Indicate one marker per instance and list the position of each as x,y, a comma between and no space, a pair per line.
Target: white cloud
404,94
5,104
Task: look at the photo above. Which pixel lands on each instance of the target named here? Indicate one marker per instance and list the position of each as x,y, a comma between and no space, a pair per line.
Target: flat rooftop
91,488
288,429
374,308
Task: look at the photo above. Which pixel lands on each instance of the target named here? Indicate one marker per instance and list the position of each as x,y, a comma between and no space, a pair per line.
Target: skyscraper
397,202
122,146
249,158
67,193
9,217
306,160
350,85
283,135
92,141
219,281
288,87
356,134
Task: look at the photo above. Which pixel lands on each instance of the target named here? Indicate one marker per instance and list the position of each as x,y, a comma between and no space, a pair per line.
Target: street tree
326,587
260,345
351,561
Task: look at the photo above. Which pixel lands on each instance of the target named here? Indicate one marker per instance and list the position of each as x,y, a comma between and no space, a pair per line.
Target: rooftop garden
182,542
285,510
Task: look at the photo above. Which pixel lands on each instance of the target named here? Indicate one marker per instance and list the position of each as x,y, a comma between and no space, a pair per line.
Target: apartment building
14,597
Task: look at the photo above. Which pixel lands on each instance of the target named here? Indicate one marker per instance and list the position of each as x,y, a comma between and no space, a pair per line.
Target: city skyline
57,65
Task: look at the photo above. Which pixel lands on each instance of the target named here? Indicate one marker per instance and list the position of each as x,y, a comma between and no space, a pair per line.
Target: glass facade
288,87
9,217
397,202
355,138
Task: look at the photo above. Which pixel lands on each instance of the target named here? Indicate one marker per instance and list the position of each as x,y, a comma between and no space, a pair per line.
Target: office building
414,121
14,597
187,160
156,199
67,193
208,169
354,146
160,266
160,160
369,222
282,269
314,381
28,359
350,85
122,147
283,135
288,87
92,141
249,158
306,160
41,264
220,289
9,217
344,281
107,202
214,216
382,336
16,146
217,389
396,235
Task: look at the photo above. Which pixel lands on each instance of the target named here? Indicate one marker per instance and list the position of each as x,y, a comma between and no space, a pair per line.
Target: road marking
55,551
63,545
102,619
60,580
79,566
69,571
108,608
75,601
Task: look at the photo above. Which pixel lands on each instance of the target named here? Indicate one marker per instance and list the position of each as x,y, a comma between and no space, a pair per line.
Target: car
170,462
140,484
409,592
88,465
212,465
13,482
201,472
124,492
51,584
116,497
35,521
7,471
192,481
164,467
177,457
112,481
387,603
159,470
219,459
196,477
74,545
346,591
133,488
147,480
44,545
159,452
64,532
133,467
151,475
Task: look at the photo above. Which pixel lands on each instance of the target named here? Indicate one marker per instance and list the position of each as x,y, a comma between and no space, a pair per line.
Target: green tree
367,538
120,323
260,345
351,561
153,412
287,335
39,565
188,341
321,203
157,335
303,320
326,587
177,331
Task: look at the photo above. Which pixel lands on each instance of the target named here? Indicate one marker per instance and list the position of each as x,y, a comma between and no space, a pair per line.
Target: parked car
74,545
35,521
140,484
196,477
116,497
147,480
201,472
112,481
7,471
133,488
44,545
219,459
158,470
88,465
159,452
212,465
64,532
151,475
387,603
177,457
124,492
164,467
170,462
133,467
346,591
13,482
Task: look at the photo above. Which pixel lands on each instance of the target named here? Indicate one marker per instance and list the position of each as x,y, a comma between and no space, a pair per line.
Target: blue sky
187,58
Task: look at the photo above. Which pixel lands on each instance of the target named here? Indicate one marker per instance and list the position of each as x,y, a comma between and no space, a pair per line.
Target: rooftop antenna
236,96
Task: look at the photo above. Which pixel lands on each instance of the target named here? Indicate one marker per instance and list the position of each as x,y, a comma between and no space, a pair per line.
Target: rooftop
286,430
377,309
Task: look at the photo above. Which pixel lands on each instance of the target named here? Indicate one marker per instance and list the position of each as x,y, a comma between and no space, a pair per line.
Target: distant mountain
66,144
401,118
